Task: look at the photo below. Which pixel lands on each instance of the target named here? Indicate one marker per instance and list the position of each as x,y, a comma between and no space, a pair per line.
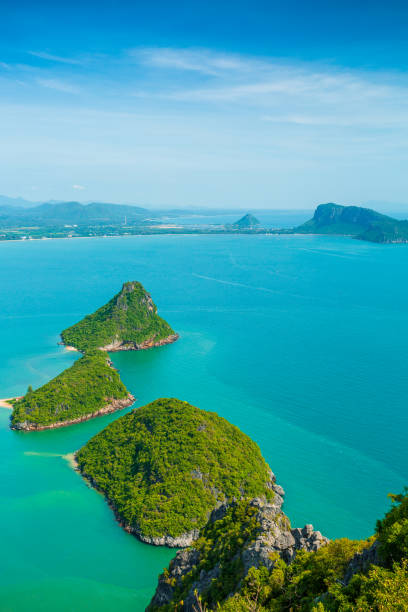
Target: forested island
176,475
92,387
129,321
164,467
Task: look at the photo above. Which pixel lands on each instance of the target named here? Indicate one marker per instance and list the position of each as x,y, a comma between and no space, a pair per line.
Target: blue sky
221,104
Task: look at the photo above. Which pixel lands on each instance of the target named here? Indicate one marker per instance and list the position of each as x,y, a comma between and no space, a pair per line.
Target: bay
301,341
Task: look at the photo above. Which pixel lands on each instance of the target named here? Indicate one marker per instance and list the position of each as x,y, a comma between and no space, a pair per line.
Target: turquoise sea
301,341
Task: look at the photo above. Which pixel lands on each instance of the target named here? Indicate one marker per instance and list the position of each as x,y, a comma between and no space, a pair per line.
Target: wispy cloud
58,85
314,95
200,60
55,58
78,187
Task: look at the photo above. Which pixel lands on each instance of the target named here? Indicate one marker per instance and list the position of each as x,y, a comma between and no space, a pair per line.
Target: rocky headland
270,538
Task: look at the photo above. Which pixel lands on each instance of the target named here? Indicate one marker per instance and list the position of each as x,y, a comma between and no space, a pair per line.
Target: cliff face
268,538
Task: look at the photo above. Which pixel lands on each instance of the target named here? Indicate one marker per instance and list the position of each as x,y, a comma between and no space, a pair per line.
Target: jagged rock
361,561
274,539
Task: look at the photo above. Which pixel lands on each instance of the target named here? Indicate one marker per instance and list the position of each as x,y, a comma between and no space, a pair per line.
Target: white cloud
78,187
195,60
55,58
58,85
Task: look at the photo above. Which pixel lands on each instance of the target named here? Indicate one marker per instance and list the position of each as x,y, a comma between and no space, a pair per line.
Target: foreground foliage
313,582
164,466
129,317
87,386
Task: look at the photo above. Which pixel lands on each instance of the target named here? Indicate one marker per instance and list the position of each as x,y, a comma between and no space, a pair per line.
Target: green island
89,388
164,467
129,321
243,563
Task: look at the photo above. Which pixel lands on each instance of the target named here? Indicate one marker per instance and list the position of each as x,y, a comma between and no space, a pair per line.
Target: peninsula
129,321
90,387
164,467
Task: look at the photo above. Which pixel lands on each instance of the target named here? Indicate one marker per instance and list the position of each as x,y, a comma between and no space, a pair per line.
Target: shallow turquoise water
301,341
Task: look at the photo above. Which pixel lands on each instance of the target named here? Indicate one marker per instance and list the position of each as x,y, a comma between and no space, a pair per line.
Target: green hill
90,387
129,321
248,221
165,466
362,223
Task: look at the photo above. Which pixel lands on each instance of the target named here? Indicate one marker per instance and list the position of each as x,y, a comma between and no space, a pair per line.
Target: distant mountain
246,222
73,213
19,202
362,223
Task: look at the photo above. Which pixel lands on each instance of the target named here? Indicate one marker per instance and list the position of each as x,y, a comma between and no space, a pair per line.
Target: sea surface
301,341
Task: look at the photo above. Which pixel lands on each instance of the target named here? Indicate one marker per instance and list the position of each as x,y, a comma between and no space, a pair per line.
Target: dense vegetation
165,465
129,317
363,223
313,582
87,386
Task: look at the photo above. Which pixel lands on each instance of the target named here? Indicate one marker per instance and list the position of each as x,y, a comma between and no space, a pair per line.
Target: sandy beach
4,403
71,348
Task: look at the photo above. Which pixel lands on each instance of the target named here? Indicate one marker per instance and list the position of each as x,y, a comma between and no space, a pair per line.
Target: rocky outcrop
274,539
181,541
112,406
361,561
124,345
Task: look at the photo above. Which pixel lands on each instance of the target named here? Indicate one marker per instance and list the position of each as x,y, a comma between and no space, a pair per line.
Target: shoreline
132,346
114,406
181,541
147,344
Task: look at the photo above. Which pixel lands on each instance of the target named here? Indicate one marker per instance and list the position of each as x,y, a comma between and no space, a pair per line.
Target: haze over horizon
235,105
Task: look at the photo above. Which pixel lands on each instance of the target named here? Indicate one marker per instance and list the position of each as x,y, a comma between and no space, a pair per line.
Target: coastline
115,347
118,404
181,541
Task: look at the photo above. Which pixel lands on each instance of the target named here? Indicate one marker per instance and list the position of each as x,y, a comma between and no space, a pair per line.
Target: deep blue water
301,341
